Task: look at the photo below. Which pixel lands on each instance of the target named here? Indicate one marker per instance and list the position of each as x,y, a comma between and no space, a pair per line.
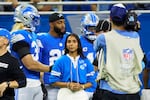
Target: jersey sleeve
99,42
56,72
19,43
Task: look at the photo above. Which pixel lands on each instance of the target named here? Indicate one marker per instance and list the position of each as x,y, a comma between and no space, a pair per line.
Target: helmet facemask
88,25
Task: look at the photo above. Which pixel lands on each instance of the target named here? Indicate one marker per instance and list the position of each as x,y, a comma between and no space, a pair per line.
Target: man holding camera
121,57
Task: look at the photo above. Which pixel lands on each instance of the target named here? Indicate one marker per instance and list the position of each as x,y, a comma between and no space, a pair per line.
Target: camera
131,21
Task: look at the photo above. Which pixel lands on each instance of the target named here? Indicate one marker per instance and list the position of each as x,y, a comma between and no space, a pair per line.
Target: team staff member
11,76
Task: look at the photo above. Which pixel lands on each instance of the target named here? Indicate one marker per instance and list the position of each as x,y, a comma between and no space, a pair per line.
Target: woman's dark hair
79,50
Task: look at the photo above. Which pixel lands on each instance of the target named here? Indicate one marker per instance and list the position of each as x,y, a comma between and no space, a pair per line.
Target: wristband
50,68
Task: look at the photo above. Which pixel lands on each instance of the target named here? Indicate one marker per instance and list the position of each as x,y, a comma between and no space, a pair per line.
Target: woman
72,70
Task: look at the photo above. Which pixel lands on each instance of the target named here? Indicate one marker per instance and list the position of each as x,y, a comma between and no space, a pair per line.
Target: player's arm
23,50
33,65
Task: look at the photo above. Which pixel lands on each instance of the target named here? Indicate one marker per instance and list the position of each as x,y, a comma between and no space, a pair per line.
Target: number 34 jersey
88,49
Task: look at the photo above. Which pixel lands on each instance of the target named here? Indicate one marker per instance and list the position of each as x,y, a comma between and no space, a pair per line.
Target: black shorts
107,95
7,98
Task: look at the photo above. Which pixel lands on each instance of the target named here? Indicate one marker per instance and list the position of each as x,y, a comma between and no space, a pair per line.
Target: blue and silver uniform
30,39
88,49
90,53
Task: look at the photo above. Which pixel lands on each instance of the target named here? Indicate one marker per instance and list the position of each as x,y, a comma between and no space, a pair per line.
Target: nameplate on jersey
16,38
3,65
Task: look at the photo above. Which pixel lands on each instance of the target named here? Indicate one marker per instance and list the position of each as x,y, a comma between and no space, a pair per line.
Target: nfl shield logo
127,54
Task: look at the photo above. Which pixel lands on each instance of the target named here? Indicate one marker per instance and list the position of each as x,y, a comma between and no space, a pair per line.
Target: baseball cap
55,16
5,33
118,12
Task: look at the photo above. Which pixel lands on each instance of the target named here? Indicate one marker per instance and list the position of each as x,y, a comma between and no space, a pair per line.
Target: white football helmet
88,24
28,15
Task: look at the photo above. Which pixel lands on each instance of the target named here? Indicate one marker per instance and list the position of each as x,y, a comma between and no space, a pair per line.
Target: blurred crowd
92,7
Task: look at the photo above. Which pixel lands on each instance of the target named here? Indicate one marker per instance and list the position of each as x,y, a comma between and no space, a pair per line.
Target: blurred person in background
80,7
39,7
45,7
10,7
144,6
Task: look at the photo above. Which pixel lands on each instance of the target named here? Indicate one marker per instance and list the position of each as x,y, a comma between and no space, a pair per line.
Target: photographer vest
123,62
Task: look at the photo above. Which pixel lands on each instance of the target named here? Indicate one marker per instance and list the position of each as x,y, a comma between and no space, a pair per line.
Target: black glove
44,90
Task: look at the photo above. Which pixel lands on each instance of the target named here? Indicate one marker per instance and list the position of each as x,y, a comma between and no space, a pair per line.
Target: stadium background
73,25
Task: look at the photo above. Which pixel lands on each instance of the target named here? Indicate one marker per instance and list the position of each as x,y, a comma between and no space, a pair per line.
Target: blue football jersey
90,53
30,38
88,49
51,48
83,73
